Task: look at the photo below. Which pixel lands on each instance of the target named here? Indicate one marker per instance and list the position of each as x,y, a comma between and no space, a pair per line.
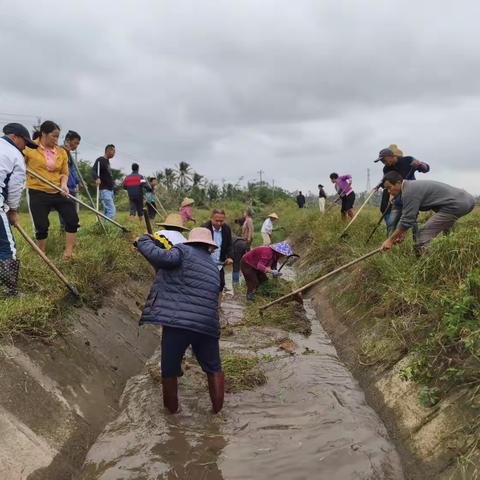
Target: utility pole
261,172
368,180
273,190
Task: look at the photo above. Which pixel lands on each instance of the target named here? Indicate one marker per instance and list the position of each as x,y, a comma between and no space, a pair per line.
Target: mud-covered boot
170,395
9,276
216,387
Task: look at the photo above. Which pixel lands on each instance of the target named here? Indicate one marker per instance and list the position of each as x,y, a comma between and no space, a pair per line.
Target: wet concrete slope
56,396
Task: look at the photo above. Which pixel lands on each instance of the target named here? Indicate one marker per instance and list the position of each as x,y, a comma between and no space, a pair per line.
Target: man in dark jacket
102,174
135,184
184,300
222,236
394,161
300,200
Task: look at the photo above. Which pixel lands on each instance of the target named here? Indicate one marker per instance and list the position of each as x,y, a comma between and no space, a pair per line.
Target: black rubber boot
170,394
9,276
216,387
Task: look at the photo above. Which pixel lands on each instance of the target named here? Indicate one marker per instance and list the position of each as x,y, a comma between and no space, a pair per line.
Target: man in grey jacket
449,204
12,181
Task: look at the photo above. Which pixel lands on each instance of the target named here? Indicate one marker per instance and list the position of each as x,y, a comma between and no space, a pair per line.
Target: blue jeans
106,196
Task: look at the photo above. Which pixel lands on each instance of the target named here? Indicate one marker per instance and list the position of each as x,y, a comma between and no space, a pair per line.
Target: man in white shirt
267,228
12,181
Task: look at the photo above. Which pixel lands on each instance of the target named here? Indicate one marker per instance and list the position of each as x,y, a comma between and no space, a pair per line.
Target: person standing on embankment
259,261
394,161
51,162
343,186
135,184
184,300
12,181
322,198
70,144
449,204
300,200
102,174
267,228
150,199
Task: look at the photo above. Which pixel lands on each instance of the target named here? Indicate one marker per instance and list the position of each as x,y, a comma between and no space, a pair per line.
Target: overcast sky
298,89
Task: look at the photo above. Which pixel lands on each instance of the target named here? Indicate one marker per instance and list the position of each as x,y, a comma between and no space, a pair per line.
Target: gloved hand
275,273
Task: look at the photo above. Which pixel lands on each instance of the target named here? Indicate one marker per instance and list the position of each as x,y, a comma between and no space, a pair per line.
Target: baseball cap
386,152
21,131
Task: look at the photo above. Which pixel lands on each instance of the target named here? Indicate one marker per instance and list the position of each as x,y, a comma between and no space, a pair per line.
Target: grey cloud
296,88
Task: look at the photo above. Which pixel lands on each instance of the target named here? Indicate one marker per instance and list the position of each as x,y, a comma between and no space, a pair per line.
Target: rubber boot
216,387
9,276
170,395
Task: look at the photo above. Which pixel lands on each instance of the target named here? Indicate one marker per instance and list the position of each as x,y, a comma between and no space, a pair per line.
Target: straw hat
187,201
173,220
273,215
201,235
394,148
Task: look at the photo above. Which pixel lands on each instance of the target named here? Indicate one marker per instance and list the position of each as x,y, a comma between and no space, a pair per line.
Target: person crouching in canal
184,300
256,263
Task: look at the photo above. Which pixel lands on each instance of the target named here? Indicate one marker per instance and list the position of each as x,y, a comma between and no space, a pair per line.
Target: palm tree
197,179
184,173
170,177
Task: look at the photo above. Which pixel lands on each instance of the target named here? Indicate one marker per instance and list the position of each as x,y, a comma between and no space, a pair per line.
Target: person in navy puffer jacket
184,300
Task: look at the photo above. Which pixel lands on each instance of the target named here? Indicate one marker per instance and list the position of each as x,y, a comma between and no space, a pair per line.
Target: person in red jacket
256,263
135,184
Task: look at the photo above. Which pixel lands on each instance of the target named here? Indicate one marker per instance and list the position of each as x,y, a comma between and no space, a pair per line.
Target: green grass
399,304
101,263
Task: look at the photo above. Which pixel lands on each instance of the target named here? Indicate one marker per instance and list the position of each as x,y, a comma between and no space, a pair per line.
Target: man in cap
394,161
449,204
12,180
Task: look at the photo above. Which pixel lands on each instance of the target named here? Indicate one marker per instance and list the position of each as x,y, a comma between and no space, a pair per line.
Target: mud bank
429,440
57,395
309,420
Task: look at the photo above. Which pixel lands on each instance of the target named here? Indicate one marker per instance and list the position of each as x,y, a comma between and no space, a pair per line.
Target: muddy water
310,420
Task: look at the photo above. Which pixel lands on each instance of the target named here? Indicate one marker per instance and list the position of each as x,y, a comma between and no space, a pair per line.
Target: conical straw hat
274,215
187,201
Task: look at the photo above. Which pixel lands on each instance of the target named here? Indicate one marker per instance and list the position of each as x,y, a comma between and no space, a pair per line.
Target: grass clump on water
242,372
288,315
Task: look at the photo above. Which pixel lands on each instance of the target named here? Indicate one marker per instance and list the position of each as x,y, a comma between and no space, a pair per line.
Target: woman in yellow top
51,162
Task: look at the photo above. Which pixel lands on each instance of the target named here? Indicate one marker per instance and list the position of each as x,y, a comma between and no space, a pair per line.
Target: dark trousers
151,211
174,343
136,206
8,249
253,278
41,204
